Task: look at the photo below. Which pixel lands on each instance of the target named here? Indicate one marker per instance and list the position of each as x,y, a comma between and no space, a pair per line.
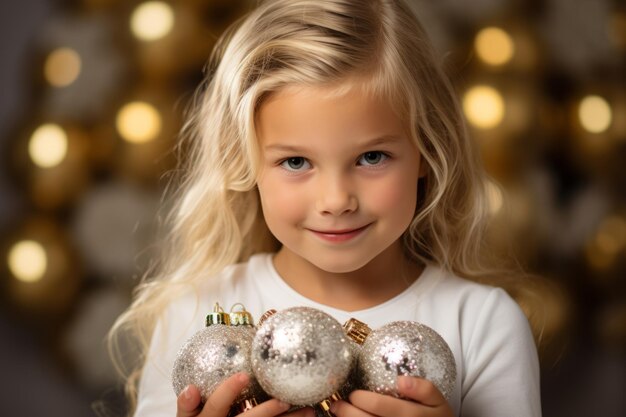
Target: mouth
339,235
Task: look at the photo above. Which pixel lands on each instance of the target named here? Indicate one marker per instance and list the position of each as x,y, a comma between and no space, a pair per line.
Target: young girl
330,167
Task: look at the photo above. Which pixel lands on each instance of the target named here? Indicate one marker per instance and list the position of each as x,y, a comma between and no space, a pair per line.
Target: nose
336,196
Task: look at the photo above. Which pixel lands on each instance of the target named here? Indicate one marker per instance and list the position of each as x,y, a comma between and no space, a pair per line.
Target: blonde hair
216,219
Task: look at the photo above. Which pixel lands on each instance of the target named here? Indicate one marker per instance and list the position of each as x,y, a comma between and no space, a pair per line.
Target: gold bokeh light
494,46
48,145
152,20
483,107
28,261
62,67
138,122
611,235
595,114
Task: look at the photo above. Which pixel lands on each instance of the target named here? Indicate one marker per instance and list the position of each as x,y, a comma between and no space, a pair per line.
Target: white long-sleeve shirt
496,358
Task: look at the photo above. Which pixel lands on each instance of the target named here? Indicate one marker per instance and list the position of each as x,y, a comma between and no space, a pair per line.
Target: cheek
398,196
278,201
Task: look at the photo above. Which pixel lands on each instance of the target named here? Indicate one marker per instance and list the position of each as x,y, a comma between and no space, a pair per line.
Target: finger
387,406
345,409
271,407
420,390
188,403
376,404
302,412
218,404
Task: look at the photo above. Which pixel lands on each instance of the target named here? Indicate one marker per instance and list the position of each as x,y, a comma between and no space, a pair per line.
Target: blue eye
372,158
296,163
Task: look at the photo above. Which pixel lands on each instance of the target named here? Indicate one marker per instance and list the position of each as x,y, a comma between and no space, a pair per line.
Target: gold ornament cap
357,330
269,313
240,317
217,316
325,404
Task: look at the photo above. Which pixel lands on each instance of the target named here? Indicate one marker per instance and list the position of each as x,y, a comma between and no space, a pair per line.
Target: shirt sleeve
156,397
502,373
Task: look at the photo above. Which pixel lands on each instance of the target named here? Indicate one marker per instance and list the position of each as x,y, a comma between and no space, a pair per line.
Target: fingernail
187,393
242,377
333,407
283,405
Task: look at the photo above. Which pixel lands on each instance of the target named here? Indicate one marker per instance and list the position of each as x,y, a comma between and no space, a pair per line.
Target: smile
338,236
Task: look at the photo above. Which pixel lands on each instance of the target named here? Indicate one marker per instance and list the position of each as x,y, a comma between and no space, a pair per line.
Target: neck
381,279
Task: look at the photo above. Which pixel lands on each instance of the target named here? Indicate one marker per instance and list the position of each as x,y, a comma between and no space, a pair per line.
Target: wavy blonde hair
216,218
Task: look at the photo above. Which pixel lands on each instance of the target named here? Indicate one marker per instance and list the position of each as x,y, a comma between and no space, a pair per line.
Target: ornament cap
325,404
217,316
240,317
269,313
357,330
245,405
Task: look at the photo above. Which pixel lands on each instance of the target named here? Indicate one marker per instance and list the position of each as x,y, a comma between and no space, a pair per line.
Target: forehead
350,99
335,111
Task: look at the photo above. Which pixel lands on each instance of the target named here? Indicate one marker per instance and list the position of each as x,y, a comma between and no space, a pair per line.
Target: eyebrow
284,148
379,140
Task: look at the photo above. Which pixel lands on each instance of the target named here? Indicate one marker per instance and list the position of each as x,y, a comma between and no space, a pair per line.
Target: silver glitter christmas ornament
213,354
406,348
357,333
301,356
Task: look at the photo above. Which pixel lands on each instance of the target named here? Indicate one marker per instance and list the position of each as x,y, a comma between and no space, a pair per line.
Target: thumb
188,403
420,390
219,403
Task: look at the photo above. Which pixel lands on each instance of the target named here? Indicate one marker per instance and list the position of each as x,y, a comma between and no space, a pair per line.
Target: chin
339,265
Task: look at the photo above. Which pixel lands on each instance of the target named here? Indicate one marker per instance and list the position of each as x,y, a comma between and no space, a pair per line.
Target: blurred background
92,94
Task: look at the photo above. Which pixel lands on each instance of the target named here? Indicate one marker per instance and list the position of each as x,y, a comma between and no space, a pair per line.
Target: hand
427,401
219,403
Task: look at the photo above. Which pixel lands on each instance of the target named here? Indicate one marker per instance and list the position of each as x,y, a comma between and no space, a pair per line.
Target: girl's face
338,180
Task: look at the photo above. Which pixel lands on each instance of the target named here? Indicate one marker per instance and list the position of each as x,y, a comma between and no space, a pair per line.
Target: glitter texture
354,377
301,356
212,355
406,348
